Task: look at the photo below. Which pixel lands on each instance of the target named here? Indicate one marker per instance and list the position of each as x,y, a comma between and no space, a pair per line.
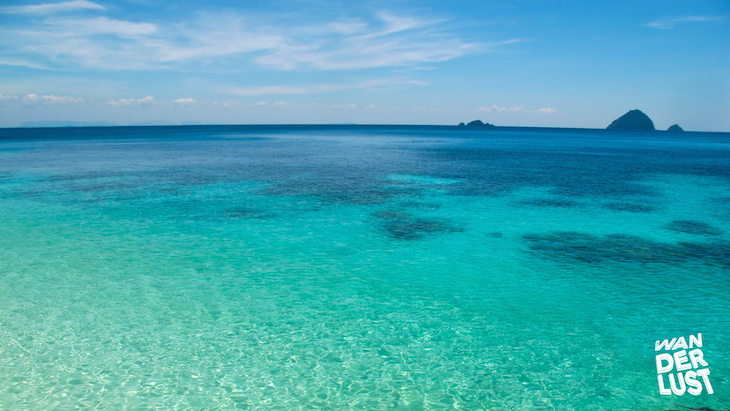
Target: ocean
361,267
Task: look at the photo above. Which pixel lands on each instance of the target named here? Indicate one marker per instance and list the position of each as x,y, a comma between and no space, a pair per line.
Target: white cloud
350,106
267,90
101,42
498,109
131,101
546,110
30,98
6,98
517,109
146,100
186,100
232,39
669,23
351,27
395,24
61,99
48,8
324,88
22,63
386,41
282,104
82,27
363,53
390,82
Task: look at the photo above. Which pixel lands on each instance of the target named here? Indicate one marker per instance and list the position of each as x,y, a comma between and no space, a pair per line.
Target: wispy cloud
49,8
61,99
323,88
86,27
397,24
387,41
546,110
268,90
498,109
30,98
22,63
669,23
517,109
186,100
131,101
231,39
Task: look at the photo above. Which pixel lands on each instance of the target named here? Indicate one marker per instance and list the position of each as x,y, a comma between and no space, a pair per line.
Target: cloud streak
22,63
670,23
387,41
50,8
87,27
322,88
517,109
131,101
231,39
61,99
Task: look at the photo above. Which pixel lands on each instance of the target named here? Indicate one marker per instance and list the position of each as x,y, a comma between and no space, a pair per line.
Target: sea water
359,267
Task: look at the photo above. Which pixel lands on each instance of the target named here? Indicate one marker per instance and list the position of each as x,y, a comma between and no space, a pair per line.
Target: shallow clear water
350,267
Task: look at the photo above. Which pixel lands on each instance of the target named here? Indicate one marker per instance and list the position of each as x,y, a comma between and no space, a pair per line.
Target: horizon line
470,128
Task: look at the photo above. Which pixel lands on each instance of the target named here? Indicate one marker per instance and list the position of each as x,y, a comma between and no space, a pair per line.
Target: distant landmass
675,128
476,123
32,124
633,120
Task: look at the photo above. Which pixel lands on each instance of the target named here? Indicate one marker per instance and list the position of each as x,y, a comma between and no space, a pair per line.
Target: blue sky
522,63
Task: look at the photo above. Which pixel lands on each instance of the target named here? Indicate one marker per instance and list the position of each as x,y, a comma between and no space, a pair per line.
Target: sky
547,63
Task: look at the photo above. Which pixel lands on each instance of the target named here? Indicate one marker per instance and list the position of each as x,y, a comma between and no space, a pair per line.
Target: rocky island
476,123
633,120
675,129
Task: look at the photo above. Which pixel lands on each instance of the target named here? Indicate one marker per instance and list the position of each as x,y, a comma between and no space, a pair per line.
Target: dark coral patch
104,187
693,227
550,202
420,205
391,215
417,228
631,207
403,226
247,212
572,246
80,176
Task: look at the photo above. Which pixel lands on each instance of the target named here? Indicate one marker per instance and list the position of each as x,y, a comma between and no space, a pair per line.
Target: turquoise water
358,267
